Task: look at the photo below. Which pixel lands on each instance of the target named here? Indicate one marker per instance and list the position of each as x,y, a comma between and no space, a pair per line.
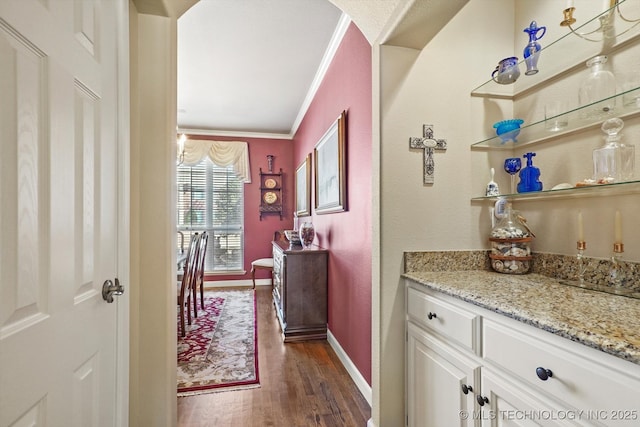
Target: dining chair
198,279
180,253
264,263
185,285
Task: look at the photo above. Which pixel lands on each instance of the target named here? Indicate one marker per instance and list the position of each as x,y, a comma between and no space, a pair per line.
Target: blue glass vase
532,49
529,176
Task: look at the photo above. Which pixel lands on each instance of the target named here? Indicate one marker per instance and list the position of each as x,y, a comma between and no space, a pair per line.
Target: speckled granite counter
609,323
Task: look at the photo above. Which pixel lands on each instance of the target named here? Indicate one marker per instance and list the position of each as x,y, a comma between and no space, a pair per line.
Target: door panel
23,295
58,219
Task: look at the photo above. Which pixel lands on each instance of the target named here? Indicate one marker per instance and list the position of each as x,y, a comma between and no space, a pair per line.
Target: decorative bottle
614,162
529,176
532,49
597,91
307,234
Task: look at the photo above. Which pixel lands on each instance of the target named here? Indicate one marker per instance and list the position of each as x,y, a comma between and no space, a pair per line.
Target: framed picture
303,188
330,164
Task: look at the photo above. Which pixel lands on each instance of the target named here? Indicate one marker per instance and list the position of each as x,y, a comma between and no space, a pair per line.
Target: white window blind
211,198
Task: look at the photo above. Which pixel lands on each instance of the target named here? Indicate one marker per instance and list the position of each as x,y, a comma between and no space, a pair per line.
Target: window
211,198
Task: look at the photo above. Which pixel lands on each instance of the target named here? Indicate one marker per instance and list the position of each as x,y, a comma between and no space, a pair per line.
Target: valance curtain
222,153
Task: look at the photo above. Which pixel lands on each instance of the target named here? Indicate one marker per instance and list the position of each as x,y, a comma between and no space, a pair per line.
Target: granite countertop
610,323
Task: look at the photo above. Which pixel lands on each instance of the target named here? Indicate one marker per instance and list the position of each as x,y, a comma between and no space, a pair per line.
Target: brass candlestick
568,17
606,27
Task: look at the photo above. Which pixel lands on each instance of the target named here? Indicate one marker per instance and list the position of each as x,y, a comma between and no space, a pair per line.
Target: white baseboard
235,283
355,375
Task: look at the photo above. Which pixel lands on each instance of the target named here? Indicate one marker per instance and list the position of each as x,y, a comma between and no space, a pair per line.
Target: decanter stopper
612,128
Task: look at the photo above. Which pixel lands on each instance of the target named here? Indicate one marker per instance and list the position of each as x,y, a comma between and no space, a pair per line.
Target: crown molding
238,134
329,54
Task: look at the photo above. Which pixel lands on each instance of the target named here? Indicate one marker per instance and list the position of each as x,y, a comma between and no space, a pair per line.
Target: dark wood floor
301,384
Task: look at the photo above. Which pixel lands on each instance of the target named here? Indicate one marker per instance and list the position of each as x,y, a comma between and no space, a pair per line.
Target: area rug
219,351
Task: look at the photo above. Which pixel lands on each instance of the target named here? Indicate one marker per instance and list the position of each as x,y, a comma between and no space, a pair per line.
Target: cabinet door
436,374
509,405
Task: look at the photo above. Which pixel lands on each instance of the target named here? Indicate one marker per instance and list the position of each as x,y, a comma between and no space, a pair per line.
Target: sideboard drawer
442,317
586,383
277,260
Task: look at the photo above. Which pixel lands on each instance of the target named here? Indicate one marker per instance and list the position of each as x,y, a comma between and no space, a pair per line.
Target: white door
59,212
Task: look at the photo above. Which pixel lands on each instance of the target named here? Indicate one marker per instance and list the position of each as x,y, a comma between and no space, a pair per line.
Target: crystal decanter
614,162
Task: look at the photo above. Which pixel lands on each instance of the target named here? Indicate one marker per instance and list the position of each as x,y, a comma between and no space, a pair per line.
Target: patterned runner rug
219,352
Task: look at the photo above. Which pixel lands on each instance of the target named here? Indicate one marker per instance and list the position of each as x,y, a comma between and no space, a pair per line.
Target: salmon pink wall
259,234
347,235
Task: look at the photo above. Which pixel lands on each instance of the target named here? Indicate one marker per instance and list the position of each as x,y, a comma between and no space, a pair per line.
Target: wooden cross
428,144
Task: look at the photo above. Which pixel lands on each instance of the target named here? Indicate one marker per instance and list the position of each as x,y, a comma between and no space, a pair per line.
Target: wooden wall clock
271,193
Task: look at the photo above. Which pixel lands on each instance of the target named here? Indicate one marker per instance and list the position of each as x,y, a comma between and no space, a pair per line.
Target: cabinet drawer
591,382
277,260
450,321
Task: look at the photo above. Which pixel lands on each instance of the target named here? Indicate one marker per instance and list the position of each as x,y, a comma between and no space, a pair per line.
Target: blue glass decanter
529,176
532,49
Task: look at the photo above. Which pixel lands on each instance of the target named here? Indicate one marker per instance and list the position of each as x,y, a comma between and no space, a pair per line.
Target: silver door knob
109,289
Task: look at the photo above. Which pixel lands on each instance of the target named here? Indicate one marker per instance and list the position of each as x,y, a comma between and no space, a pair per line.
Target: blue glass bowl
508,129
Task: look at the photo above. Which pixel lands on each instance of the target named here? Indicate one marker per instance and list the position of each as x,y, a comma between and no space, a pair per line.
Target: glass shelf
615,189
536,132
491,89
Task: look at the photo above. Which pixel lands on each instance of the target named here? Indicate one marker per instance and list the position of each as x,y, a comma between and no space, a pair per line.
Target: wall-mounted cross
428,144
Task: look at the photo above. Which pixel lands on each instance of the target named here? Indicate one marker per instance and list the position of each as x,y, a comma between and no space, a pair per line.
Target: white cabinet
441,379
437,376
519,376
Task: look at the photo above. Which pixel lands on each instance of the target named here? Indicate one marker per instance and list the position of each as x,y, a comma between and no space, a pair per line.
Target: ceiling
251,67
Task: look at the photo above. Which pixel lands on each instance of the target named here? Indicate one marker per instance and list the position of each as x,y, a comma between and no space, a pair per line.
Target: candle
618,228
580,228
569,3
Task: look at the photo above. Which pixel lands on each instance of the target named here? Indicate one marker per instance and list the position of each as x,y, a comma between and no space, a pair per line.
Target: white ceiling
250,67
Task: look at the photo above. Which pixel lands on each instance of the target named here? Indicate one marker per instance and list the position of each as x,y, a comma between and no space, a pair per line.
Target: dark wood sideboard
300,291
